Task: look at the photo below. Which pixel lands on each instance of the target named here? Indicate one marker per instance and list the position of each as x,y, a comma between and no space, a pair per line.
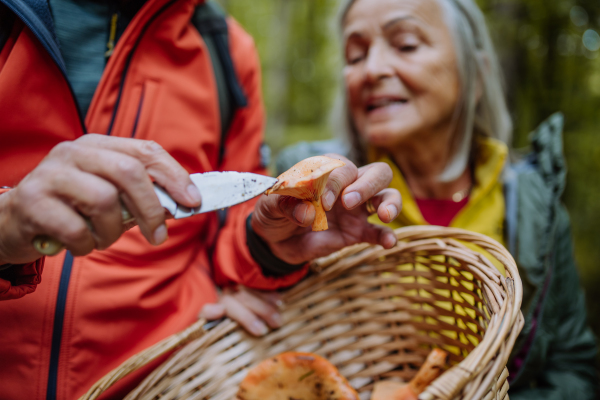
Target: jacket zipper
65,276
139,111
128,62
59,315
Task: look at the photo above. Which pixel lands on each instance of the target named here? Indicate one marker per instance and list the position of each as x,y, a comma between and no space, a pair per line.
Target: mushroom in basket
306,181
294,375
429,371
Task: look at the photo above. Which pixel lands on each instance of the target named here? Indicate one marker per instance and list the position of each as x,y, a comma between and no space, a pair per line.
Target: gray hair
479,73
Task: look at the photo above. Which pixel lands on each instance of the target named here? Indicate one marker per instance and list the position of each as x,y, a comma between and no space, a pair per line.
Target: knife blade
219,190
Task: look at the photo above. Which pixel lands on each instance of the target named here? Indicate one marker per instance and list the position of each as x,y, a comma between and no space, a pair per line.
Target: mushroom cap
295,375
306,180
386,390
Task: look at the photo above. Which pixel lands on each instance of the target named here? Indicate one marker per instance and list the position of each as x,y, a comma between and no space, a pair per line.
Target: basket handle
137,361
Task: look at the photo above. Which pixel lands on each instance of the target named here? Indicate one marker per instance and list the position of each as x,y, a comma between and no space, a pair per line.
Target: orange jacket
91,313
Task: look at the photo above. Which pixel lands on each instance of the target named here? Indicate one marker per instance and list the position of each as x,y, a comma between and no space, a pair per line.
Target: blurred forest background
550,52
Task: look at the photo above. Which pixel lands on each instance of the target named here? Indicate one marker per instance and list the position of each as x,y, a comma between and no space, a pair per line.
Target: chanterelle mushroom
306,181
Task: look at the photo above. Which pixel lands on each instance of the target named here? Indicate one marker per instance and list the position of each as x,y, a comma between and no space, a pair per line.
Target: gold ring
370,207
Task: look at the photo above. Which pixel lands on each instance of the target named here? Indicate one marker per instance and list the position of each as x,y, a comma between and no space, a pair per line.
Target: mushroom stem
320,222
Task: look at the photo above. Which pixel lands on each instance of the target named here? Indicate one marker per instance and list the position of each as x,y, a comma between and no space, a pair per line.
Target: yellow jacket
484,212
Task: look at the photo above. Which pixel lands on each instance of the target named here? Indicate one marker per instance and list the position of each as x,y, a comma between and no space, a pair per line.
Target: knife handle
49,246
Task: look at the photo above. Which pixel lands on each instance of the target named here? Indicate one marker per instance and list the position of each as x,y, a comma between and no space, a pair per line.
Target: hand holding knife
219,190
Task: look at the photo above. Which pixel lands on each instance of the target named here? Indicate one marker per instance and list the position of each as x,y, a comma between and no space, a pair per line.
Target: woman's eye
355,57
407,43
355,53
353,60
407,48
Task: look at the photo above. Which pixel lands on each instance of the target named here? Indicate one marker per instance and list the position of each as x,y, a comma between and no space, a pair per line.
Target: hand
250,308
87,179
284,222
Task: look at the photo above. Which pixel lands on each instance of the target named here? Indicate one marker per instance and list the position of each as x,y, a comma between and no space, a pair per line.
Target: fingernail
389,240
279,303
194,194
392,211
352,199
160,235
212,311
277,320
258,328
300,212
328,199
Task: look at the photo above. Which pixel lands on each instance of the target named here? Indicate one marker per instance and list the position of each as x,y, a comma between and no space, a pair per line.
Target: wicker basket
375,314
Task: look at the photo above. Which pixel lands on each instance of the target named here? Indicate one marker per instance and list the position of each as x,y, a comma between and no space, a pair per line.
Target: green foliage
550,56
298,46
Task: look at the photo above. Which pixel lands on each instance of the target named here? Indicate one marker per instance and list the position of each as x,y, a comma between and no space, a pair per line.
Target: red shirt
440,211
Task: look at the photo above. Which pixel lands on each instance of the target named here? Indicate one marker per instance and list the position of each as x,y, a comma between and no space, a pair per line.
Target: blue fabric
41,10
36,15
82,28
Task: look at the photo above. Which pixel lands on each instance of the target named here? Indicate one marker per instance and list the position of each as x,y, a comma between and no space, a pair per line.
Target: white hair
480,76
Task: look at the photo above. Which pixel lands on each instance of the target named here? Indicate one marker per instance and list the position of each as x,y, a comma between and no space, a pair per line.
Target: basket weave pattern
375,314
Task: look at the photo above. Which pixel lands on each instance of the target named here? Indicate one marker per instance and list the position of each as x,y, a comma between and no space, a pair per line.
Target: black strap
7,19
210,21
271,265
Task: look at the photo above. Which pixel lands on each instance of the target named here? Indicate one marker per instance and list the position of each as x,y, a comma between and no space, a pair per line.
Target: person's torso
93,312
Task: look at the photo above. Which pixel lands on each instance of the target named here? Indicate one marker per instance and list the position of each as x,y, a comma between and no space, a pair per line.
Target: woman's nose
377,65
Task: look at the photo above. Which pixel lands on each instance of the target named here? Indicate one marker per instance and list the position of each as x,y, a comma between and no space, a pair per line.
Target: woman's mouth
384,103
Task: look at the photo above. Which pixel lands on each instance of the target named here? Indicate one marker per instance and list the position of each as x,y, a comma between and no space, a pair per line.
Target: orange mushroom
295,375
306,181
429,371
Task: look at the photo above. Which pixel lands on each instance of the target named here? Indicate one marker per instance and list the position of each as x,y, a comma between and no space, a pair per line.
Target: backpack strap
209,19
7,19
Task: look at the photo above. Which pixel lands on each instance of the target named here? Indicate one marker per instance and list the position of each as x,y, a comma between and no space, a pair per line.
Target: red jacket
91,313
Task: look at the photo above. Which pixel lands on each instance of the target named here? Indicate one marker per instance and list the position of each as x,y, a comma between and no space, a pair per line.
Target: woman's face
401,75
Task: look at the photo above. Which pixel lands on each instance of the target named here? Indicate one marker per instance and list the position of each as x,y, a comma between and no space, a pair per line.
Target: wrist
263,254
254,226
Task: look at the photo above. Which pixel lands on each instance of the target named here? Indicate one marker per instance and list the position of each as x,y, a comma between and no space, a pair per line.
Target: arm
232,259
280,222
75,194
569,369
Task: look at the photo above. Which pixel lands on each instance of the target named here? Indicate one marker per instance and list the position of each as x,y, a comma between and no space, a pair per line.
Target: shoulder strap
7,19
210,21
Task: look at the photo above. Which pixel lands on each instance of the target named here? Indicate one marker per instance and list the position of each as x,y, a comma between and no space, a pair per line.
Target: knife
219,190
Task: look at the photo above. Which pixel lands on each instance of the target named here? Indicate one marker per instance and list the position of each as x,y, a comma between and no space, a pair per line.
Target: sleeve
569,370
18,280
232,261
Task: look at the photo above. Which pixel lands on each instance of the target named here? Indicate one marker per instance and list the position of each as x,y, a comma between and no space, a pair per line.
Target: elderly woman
424,95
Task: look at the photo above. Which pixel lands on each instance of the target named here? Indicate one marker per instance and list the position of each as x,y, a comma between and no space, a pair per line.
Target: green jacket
554,356
560,348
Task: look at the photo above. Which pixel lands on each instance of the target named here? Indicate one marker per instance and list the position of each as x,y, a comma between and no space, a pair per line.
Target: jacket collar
488,171
36,15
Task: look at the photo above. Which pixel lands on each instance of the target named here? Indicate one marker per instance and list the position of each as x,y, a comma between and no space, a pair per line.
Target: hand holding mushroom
331,184
306,181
